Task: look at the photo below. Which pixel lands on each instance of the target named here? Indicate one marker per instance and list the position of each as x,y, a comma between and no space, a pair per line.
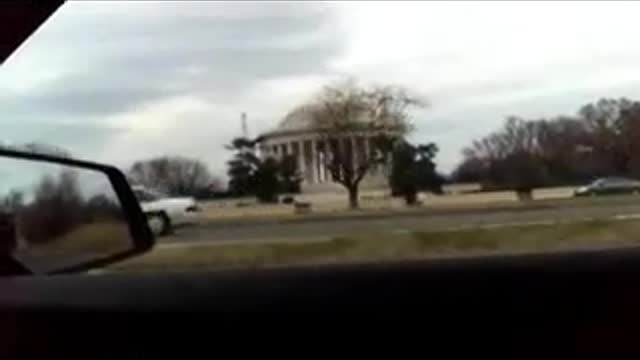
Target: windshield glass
145,195
320,132
155,194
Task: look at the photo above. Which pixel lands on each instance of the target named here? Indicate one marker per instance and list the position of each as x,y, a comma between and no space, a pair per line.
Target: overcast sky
117,81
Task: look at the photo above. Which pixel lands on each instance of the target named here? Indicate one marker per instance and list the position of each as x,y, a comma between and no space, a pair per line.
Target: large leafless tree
346,110
173,174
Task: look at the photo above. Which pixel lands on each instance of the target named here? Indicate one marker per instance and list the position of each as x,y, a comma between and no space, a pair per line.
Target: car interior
583,301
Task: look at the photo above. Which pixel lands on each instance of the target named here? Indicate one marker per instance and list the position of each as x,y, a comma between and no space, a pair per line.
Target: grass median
390,247
285,213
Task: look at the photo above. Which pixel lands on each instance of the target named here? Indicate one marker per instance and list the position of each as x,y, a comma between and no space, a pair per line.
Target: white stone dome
299,119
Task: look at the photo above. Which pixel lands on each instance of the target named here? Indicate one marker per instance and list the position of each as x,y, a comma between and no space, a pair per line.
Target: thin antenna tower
245,129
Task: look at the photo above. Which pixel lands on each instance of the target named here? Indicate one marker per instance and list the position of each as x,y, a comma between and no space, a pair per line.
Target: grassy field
373,200
99,237
549,198
84,243
371,247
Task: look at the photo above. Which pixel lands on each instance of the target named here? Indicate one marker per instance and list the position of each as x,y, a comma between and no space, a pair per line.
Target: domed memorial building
298,135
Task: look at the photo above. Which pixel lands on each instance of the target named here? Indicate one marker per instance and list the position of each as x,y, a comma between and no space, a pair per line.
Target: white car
164,212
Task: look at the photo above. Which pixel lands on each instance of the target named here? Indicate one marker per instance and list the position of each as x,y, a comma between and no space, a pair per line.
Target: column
326,175
314,162
308,160
321,160
368,148
301,163
340,144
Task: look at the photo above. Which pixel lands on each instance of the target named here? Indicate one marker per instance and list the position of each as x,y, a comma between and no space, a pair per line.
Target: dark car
609,185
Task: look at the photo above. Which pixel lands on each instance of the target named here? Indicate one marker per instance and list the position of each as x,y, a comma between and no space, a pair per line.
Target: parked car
609,185
164,212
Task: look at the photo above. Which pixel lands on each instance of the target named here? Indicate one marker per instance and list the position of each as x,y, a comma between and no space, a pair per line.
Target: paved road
317,228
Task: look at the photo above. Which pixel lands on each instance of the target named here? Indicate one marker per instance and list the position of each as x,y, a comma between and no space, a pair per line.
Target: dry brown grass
336,203
376,247
99,237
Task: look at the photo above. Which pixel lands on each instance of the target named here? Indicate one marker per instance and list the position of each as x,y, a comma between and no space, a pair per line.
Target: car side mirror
60,215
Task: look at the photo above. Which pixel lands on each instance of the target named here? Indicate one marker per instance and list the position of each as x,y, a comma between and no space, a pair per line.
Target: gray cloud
119,81
126,58
76,138
121,62
84,95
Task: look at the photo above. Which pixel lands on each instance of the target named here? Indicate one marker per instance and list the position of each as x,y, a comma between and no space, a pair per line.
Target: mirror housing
140,236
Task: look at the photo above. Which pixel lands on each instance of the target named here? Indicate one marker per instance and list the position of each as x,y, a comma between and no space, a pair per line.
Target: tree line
338,112
56,208
175,176
601,139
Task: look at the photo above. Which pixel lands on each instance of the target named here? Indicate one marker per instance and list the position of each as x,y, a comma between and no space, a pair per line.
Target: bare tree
630,142
345,111
12,202
610,125
509,157
563,144
173,174
602,139
56,209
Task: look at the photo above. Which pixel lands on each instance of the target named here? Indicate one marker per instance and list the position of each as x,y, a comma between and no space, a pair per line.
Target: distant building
294,135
